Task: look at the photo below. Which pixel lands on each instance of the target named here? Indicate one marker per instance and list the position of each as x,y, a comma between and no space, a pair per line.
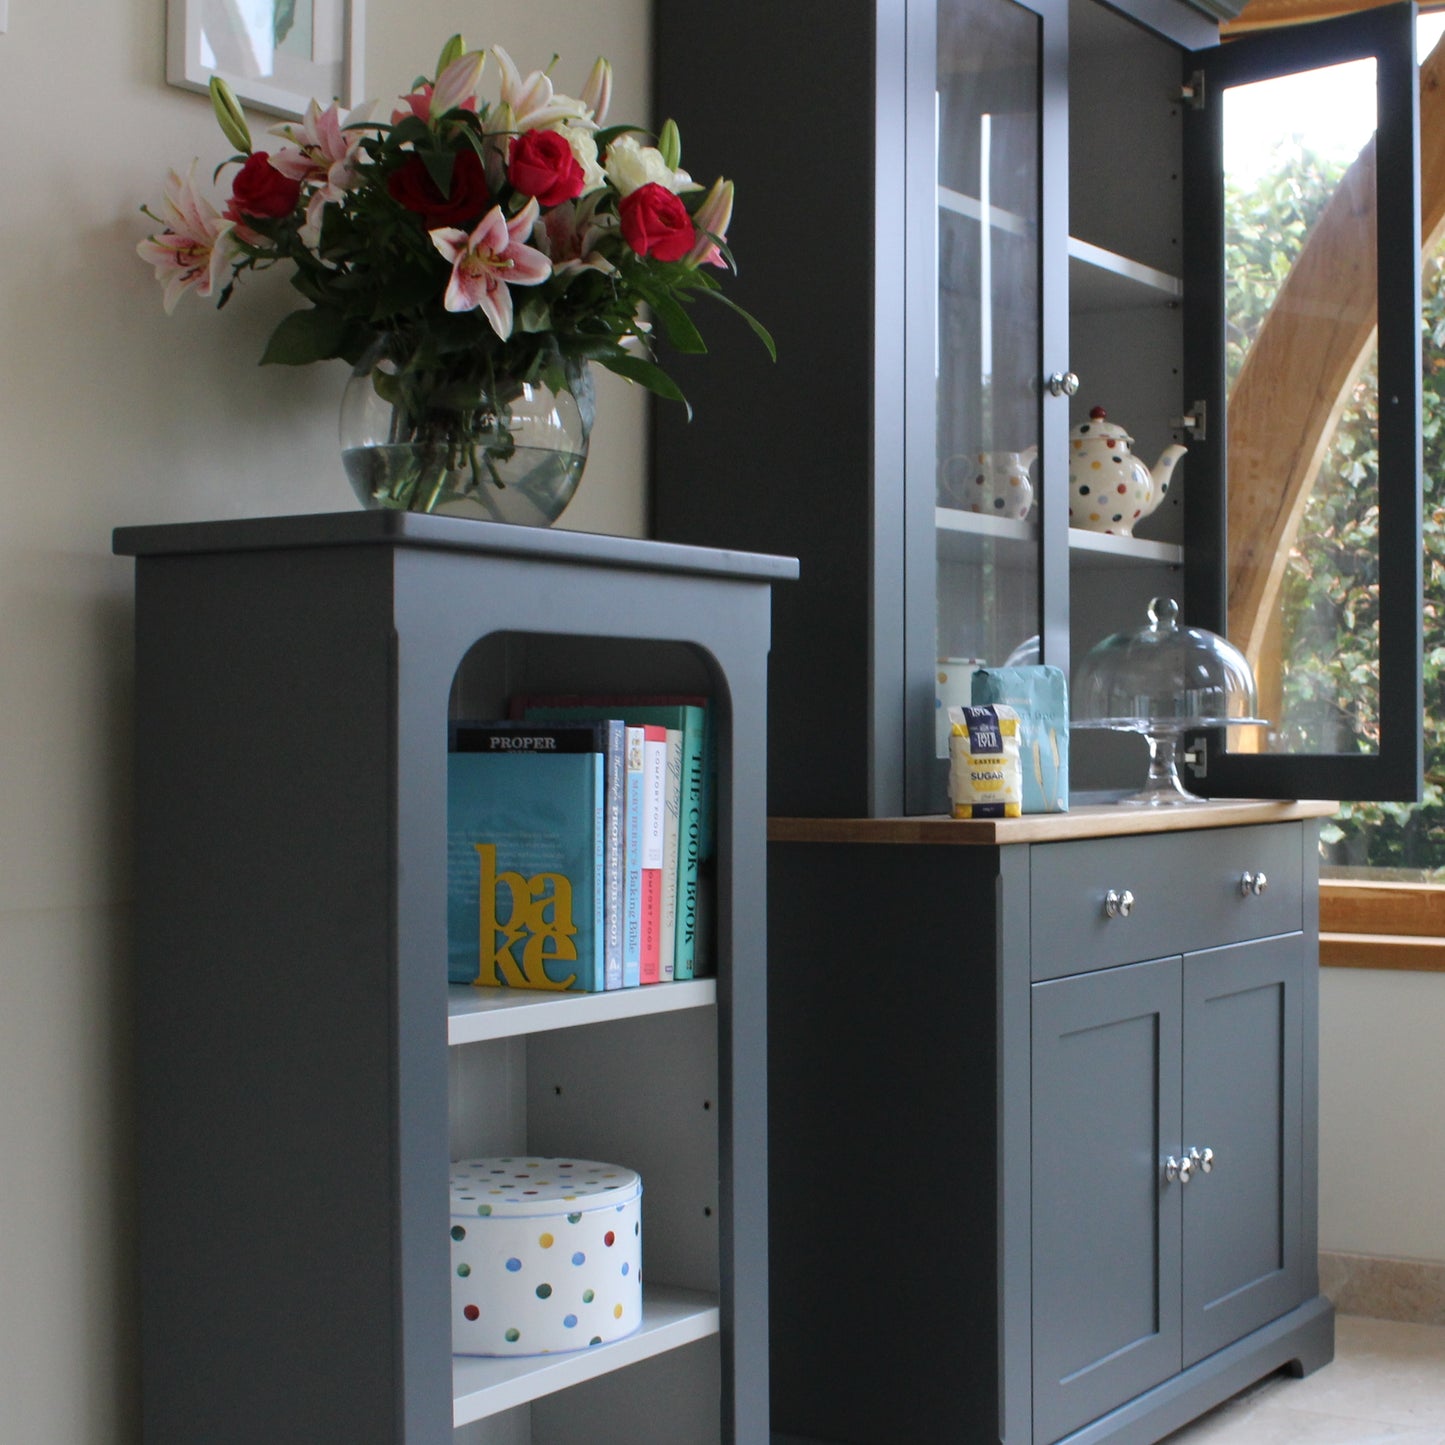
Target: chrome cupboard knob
1063,383
1178,1169
1118,904
1202,1160
1252,883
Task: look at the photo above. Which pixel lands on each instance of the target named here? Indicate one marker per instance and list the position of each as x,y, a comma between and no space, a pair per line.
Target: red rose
261,191
542,165
411,185
655,223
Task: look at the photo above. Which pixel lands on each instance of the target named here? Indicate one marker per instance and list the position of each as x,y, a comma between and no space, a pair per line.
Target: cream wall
1382,1113
111,413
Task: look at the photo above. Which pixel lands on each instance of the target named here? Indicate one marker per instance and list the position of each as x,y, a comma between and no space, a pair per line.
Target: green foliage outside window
1330,596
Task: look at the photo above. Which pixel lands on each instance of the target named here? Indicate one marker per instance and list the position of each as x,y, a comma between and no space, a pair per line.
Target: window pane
1303,509
988,336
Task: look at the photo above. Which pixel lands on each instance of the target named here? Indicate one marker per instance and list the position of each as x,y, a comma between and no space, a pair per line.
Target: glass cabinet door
1307,347
974,393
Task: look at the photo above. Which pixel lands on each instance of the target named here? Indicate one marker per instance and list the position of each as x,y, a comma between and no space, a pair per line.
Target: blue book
526,849
696,818
614,874
632,860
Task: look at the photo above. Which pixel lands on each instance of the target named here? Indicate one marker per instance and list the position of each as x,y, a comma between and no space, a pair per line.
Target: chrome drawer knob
1254,883
1180,1169
1118,904
1202,1160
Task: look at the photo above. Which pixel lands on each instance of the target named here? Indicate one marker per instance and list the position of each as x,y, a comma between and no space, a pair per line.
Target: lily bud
597,92
454,49
669,144
229,115
712,219
457,83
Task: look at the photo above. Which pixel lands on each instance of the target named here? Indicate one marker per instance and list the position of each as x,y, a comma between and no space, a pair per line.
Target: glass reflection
1301,314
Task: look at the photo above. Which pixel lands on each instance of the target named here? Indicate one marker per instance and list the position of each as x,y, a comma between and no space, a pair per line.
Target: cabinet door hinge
1193,91
1196,755
1193,421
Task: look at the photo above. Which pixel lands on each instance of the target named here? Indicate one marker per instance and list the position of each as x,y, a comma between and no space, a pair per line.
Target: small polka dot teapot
1110,489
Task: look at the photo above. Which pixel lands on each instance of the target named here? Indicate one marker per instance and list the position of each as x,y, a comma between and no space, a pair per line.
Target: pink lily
192,250
568,236
486,264
711,220
322,154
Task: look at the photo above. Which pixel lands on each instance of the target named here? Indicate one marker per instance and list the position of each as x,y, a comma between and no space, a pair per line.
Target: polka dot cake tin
546,1255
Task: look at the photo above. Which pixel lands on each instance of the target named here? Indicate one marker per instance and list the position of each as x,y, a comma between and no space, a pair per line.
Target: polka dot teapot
1110,489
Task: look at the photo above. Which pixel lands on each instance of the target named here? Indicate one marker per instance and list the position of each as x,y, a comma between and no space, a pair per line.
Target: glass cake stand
1163,681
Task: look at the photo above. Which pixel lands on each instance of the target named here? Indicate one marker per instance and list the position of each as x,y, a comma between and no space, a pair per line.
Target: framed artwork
275,54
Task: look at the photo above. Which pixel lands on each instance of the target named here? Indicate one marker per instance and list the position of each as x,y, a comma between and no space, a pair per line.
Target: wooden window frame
1382,925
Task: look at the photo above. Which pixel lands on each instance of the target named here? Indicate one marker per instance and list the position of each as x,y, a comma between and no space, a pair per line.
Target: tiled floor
1386,1386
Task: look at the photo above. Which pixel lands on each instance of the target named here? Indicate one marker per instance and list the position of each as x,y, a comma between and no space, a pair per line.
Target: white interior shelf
475,1014
966,536
1101,280
671,1318
1105,549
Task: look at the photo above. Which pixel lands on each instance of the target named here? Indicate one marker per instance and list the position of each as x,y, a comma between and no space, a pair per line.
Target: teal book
526,850
695,820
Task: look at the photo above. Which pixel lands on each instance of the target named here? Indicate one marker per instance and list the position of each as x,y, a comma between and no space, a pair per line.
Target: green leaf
676,323
647,373
306,336
759,329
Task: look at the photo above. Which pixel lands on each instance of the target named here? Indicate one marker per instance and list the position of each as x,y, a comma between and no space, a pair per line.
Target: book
522,705
632,859
607,737
654,848
695,839
525,864
667,962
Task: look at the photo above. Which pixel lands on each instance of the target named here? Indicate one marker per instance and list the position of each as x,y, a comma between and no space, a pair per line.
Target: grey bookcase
304,1071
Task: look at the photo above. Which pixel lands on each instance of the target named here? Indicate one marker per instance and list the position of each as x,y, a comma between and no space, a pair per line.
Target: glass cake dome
1162,681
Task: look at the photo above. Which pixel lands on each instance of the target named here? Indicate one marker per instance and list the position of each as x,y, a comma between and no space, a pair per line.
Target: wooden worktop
1091,820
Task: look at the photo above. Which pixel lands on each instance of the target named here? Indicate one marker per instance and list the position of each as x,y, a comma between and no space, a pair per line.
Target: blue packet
1040,696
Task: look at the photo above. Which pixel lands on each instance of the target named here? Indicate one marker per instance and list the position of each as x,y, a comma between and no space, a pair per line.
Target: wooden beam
1298,375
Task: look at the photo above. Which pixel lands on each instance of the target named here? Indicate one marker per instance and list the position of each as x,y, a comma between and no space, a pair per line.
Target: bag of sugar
985,774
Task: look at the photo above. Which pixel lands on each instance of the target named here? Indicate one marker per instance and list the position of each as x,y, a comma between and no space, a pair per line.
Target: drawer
1186,890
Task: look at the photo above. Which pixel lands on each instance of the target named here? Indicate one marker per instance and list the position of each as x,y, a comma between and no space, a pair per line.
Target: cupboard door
1106,1224
1302,345
1242,1101
986,272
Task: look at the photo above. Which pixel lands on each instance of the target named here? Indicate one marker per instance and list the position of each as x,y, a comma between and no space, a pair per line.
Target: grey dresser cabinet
1086,1081
304,1071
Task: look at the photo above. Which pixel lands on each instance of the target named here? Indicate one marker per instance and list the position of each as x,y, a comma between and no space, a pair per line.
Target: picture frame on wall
276,55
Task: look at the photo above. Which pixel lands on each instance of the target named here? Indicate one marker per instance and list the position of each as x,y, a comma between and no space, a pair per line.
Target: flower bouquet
469,259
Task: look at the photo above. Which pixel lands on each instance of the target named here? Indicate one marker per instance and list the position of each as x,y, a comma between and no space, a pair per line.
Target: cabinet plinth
295,677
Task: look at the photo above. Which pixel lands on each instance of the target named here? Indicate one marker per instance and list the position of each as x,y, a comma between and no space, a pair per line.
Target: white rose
631,165
584,152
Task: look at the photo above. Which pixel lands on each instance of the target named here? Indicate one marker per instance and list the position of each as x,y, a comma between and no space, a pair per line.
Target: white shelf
671,1317
1101,280
1104,549
964,536
972,208
475,1014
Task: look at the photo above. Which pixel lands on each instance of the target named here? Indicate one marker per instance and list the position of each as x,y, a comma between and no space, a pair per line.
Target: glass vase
459,436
